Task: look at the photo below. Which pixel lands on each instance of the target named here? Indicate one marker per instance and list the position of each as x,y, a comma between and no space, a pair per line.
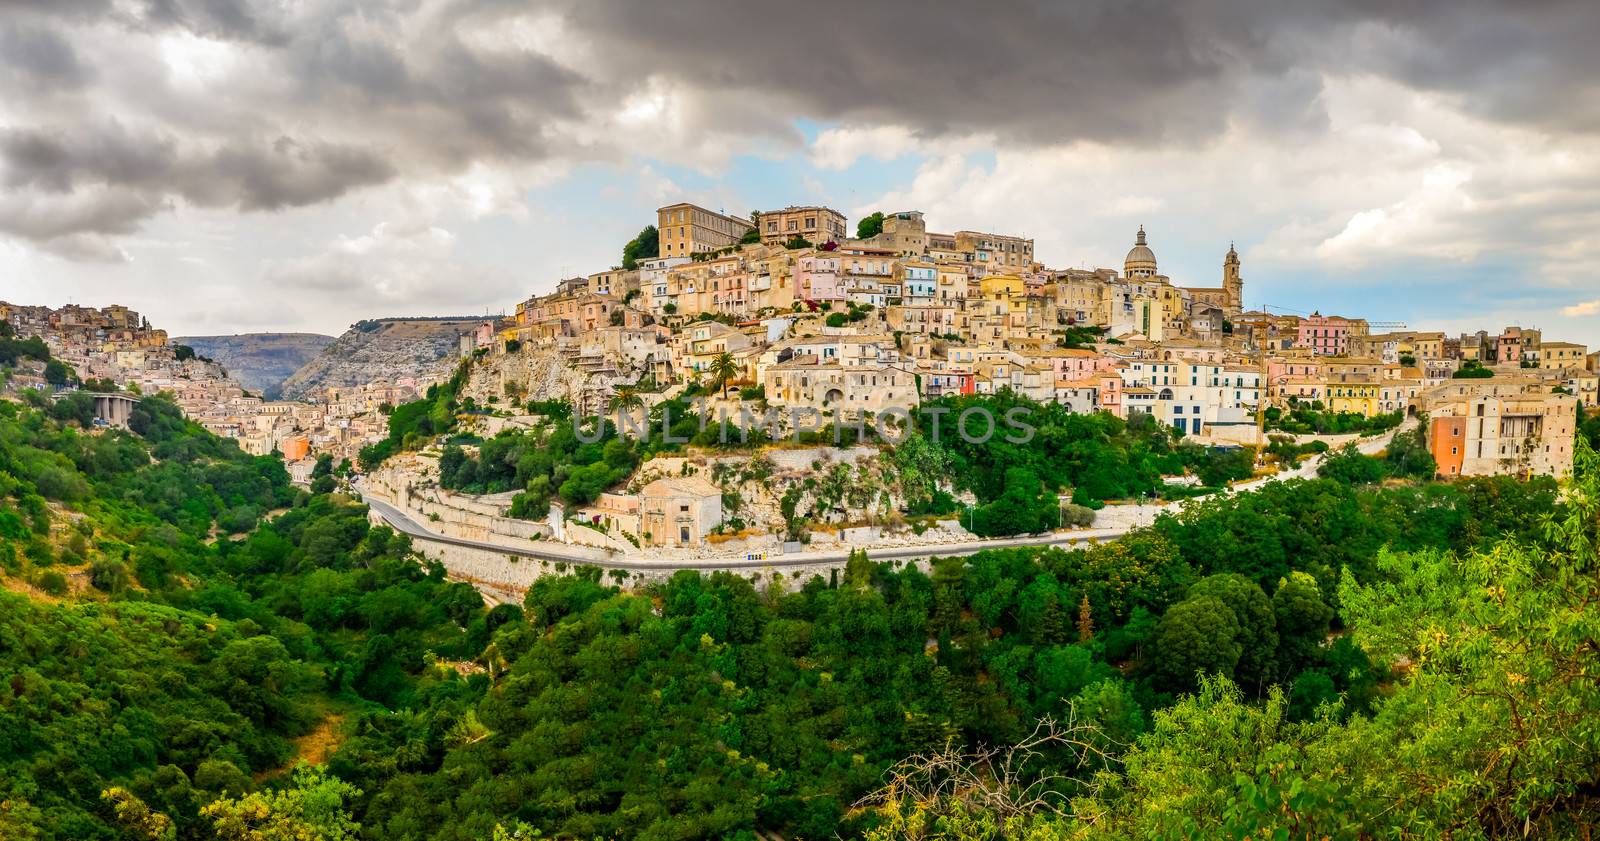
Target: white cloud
1584,308
840,148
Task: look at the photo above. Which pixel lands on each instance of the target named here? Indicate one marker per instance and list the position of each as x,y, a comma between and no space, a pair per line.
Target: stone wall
505,576
453,514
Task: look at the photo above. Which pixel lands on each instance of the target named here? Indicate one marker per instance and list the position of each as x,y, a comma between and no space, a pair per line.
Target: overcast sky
250,165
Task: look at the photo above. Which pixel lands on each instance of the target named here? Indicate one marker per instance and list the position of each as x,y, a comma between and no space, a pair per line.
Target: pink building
1111,394
817,278
1075,364
1325,335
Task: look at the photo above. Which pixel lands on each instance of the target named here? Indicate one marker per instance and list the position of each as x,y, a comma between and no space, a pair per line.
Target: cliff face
259,362
382,349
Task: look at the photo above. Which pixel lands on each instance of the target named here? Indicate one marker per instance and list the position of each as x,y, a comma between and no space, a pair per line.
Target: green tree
1352,467
870,225
57,373
1303,619
1258,626
723,369
642,247
1197,636
313,808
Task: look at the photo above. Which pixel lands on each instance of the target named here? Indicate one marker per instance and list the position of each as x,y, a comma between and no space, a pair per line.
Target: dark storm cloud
252,175
107,180
228,19
241,20
41,56
329,96
1033,71
1040,71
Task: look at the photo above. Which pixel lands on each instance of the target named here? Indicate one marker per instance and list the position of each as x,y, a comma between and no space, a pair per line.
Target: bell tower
1232,283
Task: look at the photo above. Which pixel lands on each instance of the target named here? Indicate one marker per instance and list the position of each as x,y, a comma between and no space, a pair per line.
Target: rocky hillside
382,349
259,362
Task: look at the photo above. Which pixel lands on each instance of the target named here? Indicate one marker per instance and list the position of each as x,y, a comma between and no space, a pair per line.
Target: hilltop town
784,312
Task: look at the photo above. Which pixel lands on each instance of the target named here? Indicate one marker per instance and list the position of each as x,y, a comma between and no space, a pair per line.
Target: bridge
115,409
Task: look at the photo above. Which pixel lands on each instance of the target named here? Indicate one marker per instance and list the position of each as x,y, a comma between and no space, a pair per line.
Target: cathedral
1229,297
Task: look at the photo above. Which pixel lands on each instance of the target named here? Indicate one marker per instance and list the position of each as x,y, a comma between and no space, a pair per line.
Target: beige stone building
1488,434
815,224
679,512
1559,356
905,233
996,250
685,229
616,281
835,390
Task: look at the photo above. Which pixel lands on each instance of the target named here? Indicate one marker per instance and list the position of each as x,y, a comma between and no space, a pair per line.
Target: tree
722,369
870,225
57,373
1258,627
625,400
1408,454
836,319
311,809
797,242
1352,467
1224,465
642,247
1303,618
1197,636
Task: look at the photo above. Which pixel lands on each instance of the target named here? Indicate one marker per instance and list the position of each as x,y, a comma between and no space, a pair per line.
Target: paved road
1129,517
562,553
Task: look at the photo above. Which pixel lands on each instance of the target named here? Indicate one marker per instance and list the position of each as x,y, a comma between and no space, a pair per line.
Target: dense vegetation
1097,457
413,425
1374,656
1307,418
178,668
710,706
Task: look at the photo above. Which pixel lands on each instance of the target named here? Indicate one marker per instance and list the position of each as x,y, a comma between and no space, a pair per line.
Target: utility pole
1261,398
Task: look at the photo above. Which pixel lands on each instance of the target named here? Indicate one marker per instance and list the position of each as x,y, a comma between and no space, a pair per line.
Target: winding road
1130,517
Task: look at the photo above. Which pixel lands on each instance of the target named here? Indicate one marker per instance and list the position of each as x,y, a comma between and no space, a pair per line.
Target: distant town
786,309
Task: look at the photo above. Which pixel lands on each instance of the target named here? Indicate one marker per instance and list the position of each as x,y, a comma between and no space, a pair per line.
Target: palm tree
723,369
626,398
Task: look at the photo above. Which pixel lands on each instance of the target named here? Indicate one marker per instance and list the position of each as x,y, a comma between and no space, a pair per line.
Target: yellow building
1359,397
998,312
1556,356
686,229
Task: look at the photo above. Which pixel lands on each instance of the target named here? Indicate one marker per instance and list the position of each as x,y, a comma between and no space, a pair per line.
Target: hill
260,362
382,349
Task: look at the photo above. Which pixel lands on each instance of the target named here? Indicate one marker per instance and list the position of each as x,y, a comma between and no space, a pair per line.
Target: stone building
679,512
685,229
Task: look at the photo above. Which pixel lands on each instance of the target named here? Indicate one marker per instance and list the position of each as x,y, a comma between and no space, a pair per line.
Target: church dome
1141,261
